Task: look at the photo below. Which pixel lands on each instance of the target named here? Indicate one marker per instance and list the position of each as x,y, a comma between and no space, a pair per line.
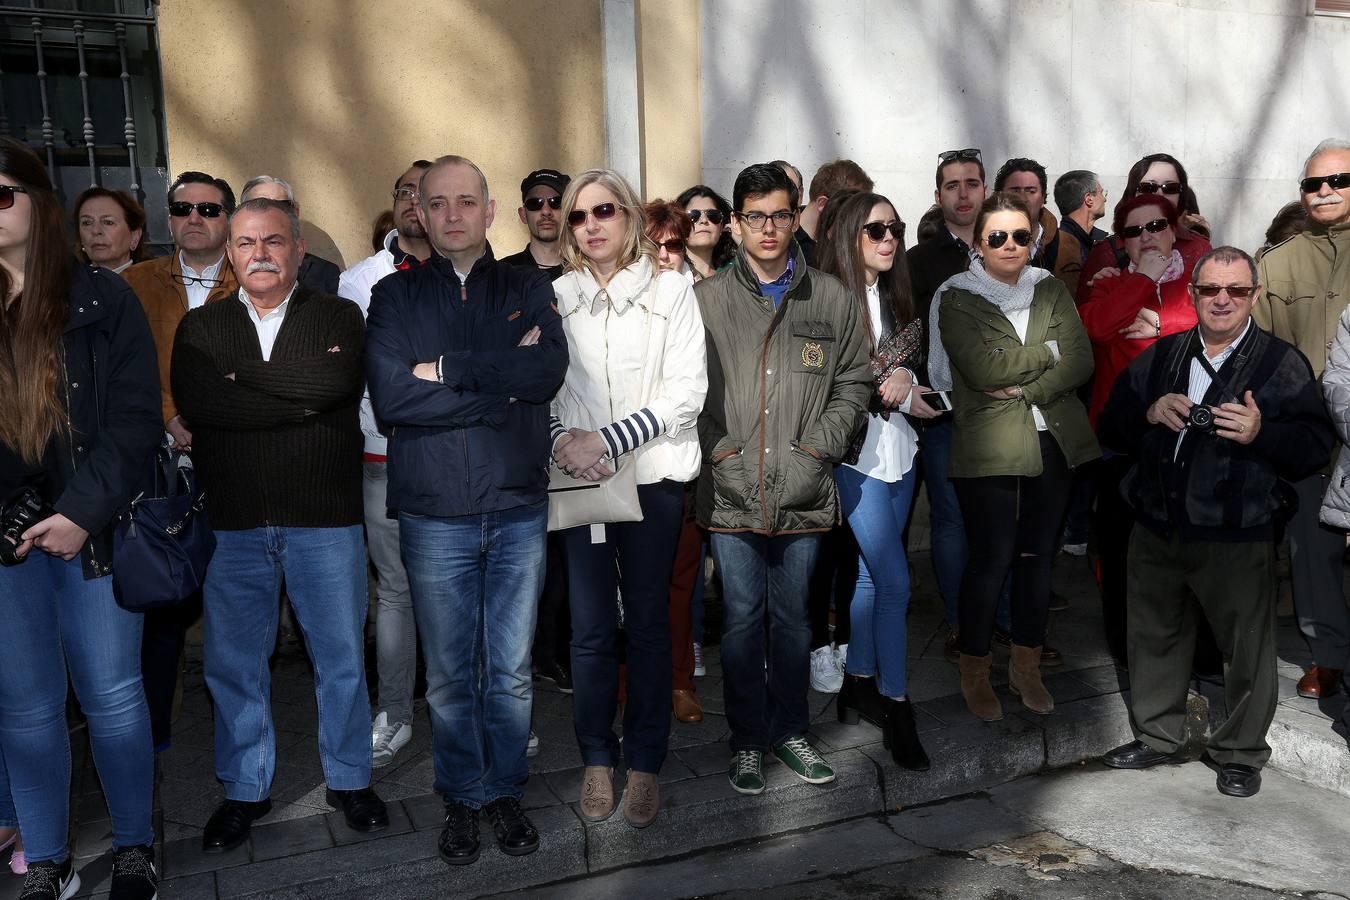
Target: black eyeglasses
1236,291
781,219
603,213
1021,237
713,215
181,209
534,204
674,245
876,231
1170,188
1313,183
970,153
1154,227
7,192
189,280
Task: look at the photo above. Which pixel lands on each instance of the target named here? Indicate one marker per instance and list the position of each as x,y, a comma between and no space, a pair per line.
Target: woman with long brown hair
79,420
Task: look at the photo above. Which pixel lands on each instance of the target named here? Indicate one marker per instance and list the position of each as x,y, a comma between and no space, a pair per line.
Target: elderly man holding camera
1217,419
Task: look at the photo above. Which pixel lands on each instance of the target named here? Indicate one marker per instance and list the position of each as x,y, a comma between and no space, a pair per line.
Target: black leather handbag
163,541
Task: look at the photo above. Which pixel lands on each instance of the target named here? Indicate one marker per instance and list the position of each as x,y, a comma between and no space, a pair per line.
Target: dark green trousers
1235,585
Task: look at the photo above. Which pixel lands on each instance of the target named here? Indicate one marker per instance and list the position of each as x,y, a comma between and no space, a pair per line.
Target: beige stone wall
668,96
338,96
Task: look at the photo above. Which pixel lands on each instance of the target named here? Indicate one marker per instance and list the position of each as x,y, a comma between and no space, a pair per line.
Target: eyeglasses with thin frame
7,192
1155,227
181,209
1313,183
876,231
968,154
189,280
602,213
713,215
1021,237
674,245
1170,188
1236,291
534,204
781,219
405,193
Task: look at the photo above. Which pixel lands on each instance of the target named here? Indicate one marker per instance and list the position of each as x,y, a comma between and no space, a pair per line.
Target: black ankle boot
902,736
859,697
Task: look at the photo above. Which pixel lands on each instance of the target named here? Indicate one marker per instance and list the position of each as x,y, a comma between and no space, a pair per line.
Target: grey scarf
1007,297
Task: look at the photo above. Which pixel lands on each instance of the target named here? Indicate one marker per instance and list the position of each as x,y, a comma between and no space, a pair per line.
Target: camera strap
1227,389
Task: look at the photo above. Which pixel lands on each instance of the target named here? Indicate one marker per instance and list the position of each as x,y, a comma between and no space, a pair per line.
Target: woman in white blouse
635,384
865,248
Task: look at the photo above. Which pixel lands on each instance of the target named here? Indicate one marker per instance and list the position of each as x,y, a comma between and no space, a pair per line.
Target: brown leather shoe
597,793
687,708
641,799
1319,682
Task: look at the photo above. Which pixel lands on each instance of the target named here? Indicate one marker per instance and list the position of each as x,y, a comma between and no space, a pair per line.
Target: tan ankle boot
975,687
1024,679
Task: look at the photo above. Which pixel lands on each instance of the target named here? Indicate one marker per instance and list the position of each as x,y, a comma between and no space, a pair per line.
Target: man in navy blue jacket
462,357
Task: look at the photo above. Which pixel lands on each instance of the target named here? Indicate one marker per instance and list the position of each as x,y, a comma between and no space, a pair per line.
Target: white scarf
1007,297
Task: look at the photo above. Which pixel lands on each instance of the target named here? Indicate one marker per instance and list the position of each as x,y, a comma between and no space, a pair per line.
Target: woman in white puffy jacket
635,384
1336,390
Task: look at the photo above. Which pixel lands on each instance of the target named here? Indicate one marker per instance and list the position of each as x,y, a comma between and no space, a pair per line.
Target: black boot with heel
902,735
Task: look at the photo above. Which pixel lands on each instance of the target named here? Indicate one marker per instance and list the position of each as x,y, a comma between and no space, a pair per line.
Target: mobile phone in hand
938,400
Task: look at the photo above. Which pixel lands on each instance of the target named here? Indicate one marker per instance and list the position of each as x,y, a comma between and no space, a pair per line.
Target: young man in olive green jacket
788,383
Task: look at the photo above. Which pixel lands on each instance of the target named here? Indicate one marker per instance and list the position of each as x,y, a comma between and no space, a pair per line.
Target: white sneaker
532,748
841,658
1075,549
386,740
699,669
826,675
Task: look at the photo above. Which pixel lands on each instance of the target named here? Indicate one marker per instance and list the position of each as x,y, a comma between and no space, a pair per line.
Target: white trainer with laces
699,669
827,676
532,748
387,739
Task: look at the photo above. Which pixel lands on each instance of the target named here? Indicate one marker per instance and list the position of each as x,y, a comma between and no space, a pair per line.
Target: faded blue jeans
476,582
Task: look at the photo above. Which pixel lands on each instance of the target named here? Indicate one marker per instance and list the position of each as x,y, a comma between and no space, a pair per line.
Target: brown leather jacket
165,304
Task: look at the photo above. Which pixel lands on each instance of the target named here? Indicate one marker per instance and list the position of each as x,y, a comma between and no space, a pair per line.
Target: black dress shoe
458,845
1138,755
515,833
362,809
229,824
902,736
1237,780
859,697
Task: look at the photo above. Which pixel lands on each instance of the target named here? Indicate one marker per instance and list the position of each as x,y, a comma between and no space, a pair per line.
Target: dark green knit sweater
280,444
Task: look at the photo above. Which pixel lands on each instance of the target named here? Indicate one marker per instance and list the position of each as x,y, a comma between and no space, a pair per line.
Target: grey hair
1324,147
452,160
257,180
1071,187
262,204
1225,255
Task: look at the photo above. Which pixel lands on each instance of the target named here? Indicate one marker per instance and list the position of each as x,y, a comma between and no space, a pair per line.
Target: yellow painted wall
668,96
338,96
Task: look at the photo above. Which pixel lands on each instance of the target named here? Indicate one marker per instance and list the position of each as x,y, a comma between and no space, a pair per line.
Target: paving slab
1305,748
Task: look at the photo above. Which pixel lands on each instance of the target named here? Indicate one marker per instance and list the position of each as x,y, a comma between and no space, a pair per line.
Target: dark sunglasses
1236,291
1154,227
1021,237
1170,188
7,192
674,245
534,204
970,153
181,208
1313,184
713,215
603,213
876,231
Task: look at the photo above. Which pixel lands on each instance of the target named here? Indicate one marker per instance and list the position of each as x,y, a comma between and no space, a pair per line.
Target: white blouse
890,445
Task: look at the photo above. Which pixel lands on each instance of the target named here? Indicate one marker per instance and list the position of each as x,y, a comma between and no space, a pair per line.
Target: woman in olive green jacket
1010,337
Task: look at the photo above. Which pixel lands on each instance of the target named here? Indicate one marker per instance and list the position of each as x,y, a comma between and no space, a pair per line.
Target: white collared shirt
890,444
1200,379
196,291
267,325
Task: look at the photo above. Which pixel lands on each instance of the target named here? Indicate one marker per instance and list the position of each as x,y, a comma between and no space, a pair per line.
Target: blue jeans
54,618
877,512
765,588
475,584
643,553
325,574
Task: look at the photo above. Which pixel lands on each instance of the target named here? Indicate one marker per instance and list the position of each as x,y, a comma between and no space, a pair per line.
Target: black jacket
318,274
479,442
111,386
931,263
1214,488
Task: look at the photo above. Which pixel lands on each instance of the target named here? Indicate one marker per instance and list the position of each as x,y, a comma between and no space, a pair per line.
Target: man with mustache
270,378
541,212
1306,285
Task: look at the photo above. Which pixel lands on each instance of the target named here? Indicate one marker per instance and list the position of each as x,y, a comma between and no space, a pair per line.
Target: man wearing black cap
541,212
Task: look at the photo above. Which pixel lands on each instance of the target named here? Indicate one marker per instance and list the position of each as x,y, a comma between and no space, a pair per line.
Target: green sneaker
746,772
804,761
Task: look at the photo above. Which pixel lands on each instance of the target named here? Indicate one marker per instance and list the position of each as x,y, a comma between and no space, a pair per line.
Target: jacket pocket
813,347
806,481
731,484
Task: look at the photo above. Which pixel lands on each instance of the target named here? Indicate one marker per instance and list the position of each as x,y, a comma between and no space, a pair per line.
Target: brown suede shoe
687,708
641,799
597,793
1024,679
975,687
1319,682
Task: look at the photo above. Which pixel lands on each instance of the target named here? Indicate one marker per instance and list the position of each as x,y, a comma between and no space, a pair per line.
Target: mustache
262,265
1329,200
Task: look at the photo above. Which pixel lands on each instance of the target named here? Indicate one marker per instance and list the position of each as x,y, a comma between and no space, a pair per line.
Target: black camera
1201,419
24,509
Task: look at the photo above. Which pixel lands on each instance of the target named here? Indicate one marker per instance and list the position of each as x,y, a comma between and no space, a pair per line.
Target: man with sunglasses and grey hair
541,212
1215,418
316,273
1306,283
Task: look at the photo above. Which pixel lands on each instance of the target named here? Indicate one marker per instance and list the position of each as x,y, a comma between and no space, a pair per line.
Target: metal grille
80,84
